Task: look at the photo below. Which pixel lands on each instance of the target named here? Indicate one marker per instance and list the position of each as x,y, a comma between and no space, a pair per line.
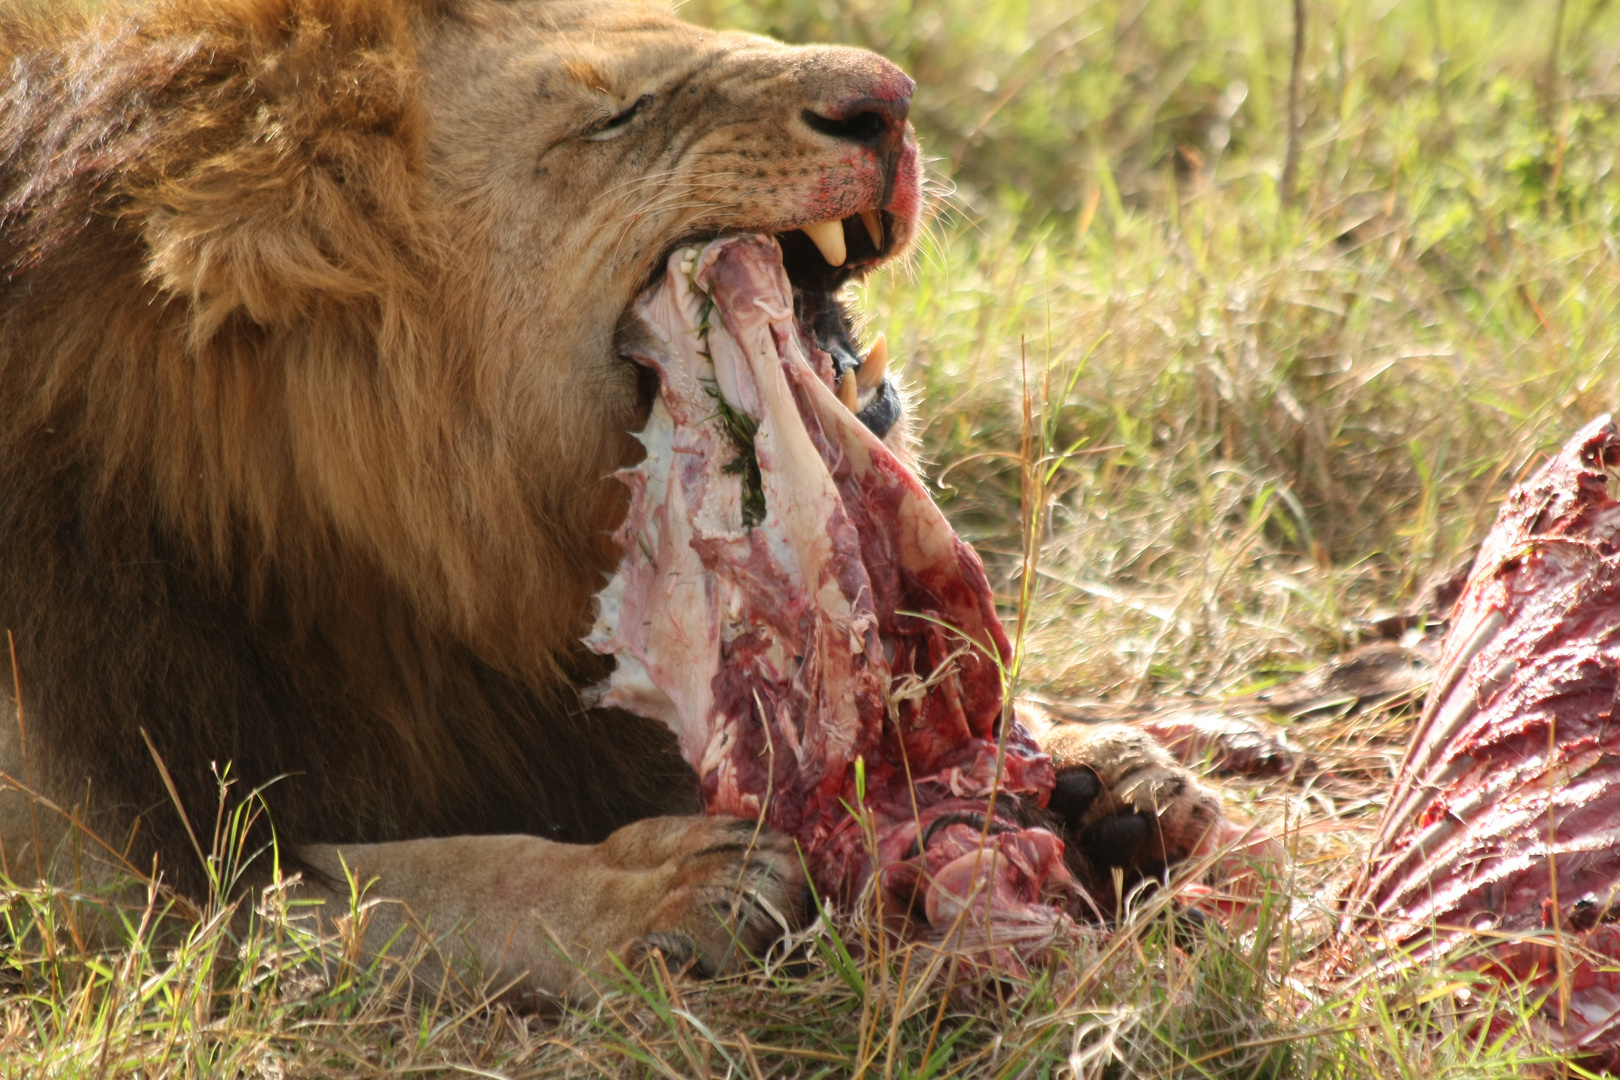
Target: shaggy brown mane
253,495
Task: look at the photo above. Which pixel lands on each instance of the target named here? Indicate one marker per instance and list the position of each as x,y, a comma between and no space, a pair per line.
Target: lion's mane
254,497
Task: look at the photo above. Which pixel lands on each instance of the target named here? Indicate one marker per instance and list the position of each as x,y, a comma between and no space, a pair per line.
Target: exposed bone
1447,708
1456,664
874,227
1416,789
828,236
1508,812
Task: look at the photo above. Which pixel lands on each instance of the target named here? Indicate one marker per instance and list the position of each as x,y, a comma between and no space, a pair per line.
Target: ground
1207,427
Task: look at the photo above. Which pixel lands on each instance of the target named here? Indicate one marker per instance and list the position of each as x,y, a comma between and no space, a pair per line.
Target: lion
312,388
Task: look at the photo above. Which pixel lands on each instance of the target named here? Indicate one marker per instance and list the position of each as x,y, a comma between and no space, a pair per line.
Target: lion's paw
726,889
1126,805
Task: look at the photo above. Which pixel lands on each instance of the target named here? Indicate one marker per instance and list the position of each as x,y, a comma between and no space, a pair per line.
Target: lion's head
574,145
311,385
333,286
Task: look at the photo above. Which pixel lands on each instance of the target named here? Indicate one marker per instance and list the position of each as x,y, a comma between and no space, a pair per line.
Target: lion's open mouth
820,259
797,609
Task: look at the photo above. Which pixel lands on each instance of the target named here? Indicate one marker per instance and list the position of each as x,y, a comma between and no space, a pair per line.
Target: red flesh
776,652
1513,773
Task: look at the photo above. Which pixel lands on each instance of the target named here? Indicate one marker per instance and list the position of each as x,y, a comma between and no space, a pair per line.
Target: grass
1293,413
261,994
1267,416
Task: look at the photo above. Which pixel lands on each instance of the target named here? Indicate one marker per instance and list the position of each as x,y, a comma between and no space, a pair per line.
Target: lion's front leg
706,891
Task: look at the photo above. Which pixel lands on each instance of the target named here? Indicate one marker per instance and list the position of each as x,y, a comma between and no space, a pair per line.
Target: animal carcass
797,609
1502,838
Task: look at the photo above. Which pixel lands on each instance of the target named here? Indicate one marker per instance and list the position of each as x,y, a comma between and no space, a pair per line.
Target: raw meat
1503,831
794,606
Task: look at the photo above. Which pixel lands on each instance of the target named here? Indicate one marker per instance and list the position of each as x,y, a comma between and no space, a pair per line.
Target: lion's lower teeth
874,365
847,392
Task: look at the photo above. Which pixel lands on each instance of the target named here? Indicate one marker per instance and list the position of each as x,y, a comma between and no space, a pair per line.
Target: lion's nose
868,121
861,100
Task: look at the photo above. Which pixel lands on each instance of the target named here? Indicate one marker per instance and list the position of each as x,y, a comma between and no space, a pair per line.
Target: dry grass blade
1202,444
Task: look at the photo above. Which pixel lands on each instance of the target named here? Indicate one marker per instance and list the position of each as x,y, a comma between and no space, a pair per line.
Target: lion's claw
729,889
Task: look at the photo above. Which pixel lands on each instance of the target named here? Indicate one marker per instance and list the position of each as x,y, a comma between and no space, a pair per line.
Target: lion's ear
293,180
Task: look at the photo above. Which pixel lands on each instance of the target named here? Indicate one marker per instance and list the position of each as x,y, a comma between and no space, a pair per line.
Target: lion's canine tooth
874,227
847,392
828,236
874,365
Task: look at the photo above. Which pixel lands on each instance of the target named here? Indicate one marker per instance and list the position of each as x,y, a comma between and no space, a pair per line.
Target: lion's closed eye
615,125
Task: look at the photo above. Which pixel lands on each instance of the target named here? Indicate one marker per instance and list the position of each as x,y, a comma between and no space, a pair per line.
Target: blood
835,669
1509,796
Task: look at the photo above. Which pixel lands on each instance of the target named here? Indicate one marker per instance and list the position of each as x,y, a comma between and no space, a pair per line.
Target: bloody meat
797,609
1502,832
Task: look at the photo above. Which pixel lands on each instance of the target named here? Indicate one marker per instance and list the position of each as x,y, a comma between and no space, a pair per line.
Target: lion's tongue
836,663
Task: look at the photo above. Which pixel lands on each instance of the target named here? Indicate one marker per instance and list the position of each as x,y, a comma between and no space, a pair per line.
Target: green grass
1272,415
1292,414
261,995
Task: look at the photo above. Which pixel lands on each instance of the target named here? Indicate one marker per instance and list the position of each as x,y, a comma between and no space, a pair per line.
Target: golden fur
283,354
309,403
309,396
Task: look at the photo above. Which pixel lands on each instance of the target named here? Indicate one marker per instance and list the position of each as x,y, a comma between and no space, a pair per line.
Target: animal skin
824,641
313,382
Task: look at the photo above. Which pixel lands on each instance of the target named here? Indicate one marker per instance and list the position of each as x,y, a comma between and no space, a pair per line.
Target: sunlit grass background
1294,410
1277,412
